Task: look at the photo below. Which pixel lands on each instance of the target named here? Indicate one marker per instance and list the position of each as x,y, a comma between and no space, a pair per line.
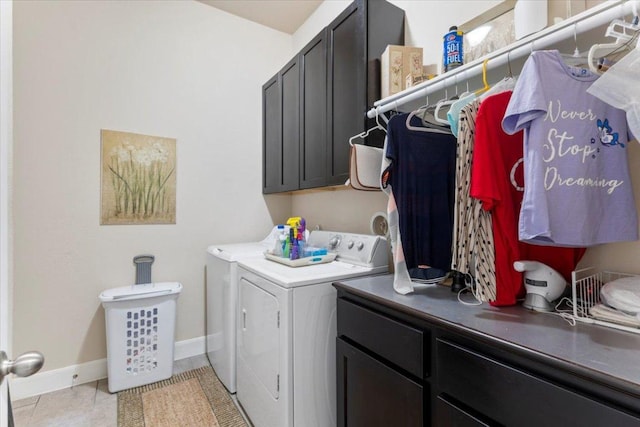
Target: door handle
244,319
26,364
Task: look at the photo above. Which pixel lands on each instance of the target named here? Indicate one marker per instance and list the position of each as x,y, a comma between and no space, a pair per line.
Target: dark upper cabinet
271,139
290,77
281,130
338,82
313,112
356,40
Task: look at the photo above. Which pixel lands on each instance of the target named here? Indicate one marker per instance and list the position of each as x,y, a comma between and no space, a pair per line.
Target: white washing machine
222,303
287,331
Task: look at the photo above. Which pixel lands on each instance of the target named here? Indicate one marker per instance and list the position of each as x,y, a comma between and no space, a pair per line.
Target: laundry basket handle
143,268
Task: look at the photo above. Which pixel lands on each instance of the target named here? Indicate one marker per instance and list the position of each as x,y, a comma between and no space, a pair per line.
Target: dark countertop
607,355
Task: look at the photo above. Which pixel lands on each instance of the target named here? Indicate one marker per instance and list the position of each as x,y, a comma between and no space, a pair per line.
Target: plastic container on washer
140,323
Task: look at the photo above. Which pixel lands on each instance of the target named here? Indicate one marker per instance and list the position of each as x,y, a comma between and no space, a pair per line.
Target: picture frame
138,179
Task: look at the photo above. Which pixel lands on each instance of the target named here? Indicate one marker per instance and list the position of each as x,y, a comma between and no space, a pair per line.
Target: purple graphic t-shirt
577,185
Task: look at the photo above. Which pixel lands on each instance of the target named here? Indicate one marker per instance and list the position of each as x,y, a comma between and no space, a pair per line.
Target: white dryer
222,303
287,331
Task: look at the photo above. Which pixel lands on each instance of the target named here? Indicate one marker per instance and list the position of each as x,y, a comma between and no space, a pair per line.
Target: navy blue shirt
422,178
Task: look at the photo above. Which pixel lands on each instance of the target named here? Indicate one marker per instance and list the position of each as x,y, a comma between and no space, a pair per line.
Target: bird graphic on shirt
607,137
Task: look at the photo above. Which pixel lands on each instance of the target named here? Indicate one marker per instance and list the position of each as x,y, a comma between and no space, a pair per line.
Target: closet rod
597,16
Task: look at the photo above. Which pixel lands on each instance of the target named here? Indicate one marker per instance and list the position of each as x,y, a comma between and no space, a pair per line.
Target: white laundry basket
140,321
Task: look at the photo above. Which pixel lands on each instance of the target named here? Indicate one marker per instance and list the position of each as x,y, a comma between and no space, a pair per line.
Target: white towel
623,294
608,314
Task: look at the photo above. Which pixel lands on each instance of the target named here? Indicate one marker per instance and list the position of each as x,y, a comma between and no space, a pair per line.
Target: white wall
179,69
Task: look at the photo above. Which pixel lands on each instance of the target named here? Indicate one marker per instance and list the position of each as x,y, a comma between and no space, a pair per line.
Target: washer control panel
360,249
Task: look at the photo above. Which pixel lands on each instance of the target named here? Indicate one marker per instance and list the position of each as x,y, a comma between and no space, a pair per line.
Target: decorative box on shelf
397,64
428,72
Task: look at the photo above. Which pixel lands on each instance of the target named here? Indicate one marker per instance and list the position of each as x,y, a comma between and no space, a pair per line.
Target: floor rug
193,398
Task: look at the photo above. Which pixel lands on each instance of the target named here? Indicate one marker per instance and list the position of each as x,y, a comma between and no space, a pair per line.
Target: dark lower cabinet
512,396
363,380
394,369
452,414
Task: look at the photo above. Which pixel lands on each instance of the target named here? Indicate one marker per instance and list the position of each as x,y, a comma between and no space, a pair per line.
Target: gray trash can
140,323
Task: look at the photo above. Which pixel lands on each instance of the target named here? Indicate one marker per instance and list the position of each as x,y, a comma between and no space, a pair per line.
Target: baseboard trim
189,348
58,379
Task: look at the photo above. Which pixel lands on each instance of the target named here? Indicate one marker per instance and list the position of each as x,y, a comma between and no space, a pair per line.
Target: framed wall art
138,179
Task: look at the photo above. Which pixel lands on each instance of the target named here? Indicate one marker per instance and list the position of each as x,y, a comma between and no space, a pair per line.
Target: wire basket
585,287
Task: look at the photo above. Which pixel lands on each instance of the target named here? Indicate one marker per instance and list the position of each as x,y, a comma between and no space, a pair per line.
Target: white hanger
368,131
423,129
623,32
443,103
576,59
420,128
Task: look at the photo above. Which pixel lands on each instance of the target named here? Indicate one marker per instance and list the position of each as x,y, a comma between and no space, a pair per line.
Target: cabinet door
313,113
281,129
271,136
346,95
290,84
370,393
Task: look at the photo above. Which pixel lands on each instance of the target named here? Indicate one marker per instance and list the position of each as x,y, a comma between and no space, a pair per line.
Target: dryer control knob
350,244
360,246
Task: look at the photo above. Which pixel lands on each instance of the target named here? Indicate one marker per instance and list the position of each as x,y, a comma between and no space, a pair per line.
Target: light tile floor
84,405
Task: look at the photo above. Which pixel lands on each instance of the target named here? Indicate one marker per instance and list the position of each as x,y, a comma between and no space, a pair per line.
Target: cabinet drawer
449,414
516,398
399,343
372,394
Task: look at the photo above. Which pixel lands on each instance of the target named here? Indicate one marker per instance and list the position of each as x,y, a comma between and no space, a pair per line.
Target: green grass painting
138,179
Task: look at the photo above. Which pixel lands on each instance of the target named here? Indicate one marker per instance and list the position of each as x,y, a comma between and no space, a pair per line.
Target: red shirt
497,179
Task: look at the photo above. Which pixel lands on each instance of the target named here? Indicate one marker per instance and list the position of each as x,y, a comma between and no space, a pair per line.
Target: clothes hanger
426,115
576,59
507,83
363,135
484,78
428,126
443,103
624,32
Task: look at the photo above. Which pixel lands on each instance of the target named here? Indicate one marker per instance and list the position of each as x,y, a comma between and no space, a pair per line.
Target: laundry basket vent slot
142,340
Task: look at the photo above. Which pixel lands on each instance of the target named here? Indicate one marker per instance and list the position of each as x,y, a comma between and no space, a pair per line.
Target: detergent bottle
296,237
